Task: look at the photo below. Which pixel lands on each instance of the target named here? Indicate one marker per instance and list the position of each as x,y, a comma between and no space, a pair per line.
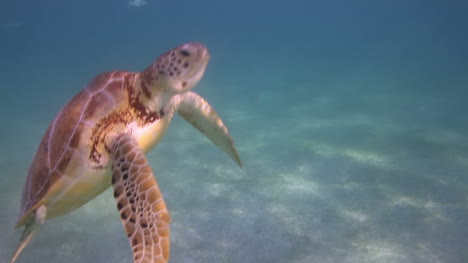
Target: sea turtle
100,138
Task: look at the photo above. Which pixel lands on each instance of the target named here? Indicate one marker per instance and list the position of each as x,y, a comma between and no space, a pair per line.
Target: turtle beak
196,50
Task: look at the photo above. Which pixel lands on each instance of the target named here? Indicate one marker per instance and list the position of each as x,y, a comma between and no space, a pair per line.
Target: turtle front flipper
202,116
30,229
141,205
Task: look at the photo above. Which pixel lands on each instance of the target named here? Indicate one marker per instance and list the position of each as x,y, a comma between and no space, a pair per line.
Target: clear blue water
350,117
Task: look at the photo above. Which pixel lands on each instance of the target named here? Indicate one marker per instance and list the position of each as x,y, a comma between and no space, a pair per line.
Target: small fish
137,3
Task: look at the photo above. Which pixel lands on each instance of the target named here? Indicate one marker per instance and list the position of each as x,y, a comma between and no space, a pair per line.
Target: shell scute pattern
51,154
66,136
102,81
64,127
36,186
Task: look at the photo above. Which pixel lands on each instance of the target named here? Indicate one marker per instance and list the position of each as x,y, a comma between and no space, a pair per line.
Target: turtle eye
184,53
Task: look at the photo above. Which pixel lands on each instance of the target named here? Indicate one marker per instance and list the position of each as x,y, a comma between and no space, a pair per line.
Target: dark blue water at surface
350,117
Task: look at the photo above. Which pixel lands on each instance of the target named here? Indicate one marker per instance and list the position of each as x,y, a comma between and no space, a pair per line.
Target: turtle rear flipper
141,205
30,229
202,116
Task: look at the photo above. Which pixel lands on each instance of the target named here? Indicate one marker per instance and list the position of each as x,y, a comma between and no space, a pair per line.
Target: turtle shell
69,142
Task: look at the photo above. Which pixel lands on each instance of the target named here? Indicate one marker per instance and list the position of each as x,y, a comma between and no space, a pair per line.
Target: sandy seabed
334,176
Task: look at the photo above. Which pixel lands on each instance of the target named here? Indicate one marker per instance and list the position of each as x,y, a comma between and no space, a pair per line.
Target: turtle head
178,70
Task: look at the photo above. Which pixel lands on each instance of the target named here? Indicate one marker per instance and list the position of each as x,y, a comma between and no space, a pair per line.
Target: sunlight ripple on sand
358,155
354,215
432,209
371,250
298,181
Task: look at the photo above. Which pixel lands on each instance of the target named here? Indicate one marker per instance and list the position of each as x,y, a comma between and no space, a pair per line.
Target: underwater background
350,117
